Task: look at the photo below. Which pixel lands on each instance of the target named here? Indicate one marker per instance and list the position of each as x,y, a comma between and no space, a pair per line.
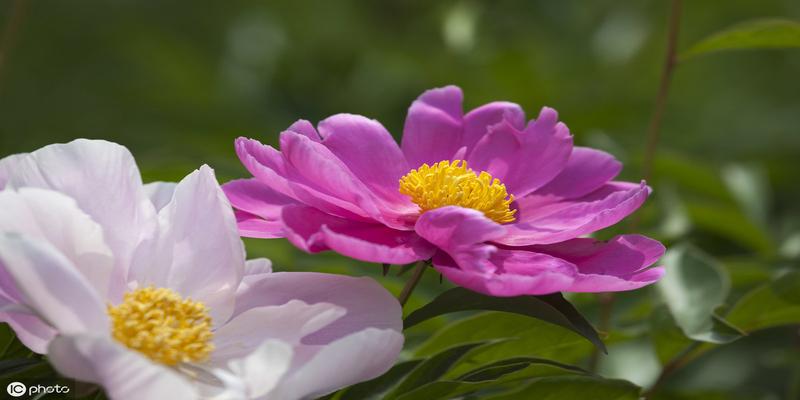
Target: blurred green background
177,82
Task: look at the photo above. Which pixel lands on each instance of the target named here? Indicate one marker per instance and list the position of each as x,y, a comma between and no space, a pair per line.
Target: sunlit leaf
675,222
501,375
431,369
523,337
787,286
378,387
763,308
574,387
503,367
668,339
552,308
757,34
693,288
731,223
633,360
692,176
750,186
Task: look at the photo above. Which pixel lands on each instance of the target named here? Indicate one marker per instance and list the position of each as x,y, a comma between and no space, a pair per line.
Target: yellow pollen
454,184
162,325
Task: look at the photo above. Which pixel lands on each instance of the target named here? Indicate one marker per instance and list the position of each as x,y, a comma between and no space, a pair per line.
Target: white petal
198,252
258,266
30,330
260,371
368,304
50,285
253,270
54,218
160,193
289,323
124,374
103,179
352,359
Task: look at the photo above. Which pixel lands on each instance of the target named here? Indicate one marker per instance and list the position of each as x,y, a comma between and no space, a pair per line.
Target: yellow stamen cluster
163,326
454,184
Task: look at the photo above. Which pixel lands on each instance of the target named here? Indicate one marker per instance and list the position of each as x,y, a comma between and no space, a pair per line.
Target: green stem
670,61
653,134
606,307
9,35
412,282
679,361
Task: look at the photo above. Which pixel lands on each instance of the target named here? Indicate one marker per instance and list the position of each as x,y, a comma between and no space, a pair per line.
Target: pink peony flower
499,205
144,289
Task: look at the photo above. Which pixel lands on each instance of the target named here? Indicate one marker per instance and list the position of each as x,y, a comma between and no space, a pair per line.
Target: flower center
162,325
454,184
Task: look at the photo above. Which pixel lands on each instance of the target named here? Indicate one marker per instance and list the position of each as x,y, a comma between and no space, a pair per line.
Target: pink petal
306,129
524,160
320,179
433,127
610,283
586,171
253,226
609,266
515,273
461,233
265,163
315,231
123,374
367,303
254,197
478,121
271,168
370,153
620,256
544,222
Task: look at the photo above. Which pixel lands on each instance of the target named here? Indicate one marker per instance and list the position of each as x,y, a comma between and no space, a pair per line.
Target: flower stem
412,282
606,307
653,134
670,61
679,361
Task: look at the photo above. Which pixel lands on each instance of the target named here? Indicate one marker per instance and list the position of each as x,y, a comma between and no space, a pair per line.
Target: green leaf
787,286
523,337
757,34
693,288
376,388
692,177
497,369
501,375
749,185
731,223
668,339
432,368
551,308
10,368
7,337
763,308
574,387
634,360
